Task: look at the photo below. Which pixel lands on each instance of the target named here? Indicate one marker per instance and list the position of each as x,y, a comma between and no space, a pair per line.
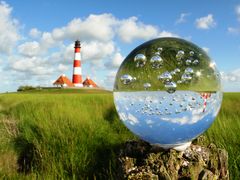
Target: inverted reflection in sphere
167,92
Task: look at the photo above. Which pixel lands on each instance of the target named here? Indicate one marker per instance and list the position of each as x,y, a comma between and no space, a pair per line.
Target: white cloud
206,22
116,61
96,51
31,66
29,49
132,119
94,27
63,68
149,122
109,80
93,52
105,27
206,49
47,41
97,46
34,33
59,33
179,120
233,76
233,30
50,53
41,47
182,18
231,80
237,10
123,116
8,29
64,55
167,34
33,70
131,29
196,116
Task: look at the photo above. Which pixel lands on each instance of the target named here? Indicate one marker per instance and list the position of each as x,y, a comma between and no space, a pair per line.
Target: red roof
89,83
63,81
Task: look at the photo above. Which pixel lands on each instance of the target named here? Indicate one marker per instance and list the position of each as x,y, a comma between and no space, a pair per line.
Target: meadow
75,134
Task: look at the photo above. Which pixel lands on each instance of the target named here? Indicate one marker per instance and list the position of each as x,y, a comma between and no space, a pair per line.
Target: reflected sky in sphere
162,118
173,91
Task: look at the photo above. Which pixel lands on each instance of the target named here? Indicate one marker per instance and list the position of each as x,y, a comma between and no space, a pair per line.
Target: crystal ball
167,91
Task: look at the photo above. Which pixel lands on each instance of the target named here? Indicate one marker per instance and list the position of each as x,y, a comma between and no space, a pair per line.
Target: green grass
67,90
60,135
225,131
73,134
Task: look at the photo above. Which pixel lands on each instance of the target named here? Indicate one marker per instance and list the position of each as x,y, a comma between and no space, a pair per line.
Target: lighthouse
205,96
77,80
77,70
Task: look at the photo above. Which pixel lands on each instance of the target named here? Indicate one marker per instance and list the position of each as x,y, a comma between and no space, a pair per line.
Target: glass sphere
167,91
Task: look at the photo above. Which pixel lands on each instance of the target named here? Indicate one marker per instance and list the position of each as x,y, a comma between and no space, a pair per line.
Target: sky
37,37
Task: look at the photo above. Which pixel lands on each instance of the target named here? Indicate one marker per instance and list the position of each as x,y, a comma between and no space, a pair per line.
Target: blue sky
36,37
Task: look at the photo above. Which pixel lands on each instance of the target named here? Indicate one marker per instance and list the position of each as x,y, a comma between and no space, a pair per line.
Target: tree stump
140,160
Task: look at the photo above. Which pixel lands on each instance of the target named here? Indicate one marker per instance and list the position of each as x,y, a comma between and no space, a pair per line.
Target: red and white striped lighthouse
205,96
77,70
